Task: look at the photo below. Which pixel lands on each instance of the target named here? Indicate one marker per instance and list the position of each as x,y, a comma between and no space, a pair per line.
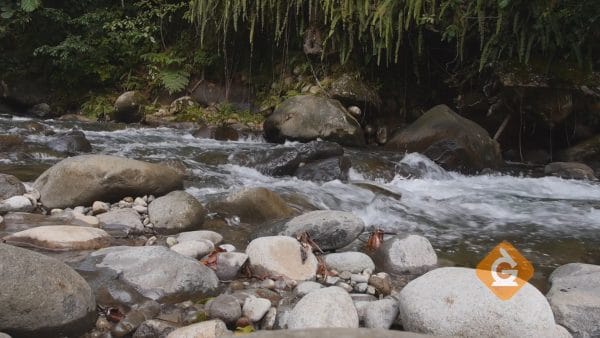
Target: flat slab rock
281,256
61,238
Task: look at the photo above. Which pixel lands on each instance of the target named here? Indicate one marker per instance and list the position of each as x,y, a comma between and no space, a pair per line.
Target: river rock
61,238
570,170
229,264
351,90
177,211
327,307
355,262
306,118
379,314
83,179
155,271
335,333
325,170
585,152
10,186
16,204
127,220
254,206
255,308
42,297
454,302
207,329
198,235
194,249
71,142
226,308
404,254
328,228
129,107
575,298
281,256
220,133
154,328
449,139
307,287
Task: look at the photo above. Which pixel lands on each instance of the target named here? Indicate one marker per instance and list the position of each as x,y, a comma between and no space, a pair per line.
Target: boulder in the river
83,179
354,262
405,254
327,307
575,298
330,229
351,90
129,107
10,186
336,168
42,297
570,170
306,118
454,302
61,238
71,142
587,152
125,221
194,249
175,212
219,133
155,272
450,140
281,256
254,205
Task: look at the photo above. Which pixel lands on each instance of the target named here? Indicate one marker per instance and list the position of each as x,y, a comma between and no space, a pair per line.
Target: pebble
306,287
344,286
332,280
140,202
225,307
229,264
171,241
128,199
371,290
345,275
356,278
140,209
99,207
56,212
124,204
382,283
255,308
227,247
151,241
268,322
88,220
103,324
194,249
268,284
79,210
361,287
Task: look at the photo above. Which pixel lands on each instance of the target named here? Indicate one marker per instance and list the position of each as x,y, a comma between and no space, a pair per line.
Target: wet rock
42,296
307,287
11,142
328,307
305,118
335,333
281,256
587,152
328,228
208,329
382,283
122,220
154,328
129,107
10,186
41,110
254,206
325,170
175,212
268,321
570,170
379,314
72,142
454,302
16,204
255,308
403,254
81,180
226,308
351,90
194,249
450,140
229,264
575,298
220,133
61,238
155,272
355,262
197,235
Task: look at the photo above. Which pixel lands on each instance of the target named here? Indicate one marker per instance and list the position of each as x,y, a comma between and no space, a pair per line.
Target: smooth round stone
403,254
226,308
328,307
255,308
61,238
281,256
16,204
355,262
175,212
207,329
194,249
307,287
212,236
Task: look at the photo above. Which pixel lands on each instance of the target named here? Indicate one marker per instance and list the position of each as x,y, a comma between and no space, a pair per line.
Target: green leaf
244,330
174,80
30,5
503,3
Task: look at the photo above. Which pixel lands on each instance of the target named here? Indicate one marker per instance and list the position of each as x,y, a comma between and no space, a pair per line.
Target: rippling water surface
551,220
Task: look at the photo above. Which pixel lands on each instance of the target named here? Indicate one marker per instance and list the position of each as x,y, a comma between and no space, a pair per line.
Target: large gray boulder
10,186
449,139
306,118
81,180
155,272
454,302
42,297
254,206
330,229
575,298
327,307
129,107
176,212
281,256
405,254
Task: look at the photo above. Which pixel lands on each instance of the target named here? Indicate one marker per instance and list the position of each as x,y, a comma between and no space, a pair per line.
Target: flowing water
552,221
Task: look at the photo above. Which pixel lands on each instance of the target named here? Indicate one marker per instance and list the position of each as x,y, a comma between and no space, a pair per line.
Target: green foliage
98,106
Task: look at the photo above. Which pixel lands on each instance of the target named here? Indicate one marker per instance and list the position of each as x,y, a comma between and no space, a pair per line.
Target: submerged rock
61,238
70,143
450,140
570,170
254,205
126,221
306,118
328,307
575,298
336,168
42,297
81,180
281,256
175,212
454,302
